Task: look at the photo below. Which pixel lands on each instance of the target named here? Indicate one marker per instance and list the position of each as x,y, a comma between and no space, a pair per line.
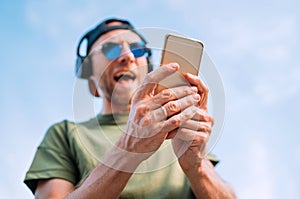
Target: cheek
143,70
143,65
100,68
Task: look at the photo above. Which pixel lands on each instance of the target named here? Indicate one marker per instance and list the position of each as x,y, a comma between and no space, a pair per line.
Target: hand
189,141
153,117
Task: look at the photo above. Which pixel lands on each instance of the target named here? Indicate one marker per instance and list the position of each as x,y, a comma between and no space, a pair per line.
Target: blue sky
254,45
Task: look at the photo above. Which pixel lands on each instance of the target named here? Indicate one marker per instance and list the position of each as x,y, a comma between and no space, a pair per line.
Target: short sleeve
53,158
213,159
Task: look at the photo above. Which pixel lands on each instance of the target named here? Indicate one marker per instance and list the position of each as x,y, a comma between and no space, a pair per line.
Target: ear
93,86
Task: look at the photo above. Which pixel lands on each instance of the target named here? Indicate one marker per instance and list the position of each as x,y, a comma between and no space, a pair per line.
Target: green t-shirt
70,151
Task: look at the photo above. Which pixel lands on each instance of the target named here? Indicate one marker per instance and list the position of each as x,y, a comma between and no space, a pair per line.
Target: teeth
124,75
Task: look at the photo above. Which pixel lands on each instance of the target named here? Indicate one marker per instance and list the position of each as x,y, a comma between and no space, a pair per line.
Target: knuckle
146,121
206,129
173,106
201,139
210,119
186,91
176,121
149,79
141,109
194,111
192,99
201,136
209,130
166,93
204,116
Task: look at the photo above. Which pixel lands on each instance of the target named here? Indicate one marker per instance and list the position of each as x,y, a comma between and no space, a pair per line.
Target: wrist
191,161
139,147
120,159
123,156
200,168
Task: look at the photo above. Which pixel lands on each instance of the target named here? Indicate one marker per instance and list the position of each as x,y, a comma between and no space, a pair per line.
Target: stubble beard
117,95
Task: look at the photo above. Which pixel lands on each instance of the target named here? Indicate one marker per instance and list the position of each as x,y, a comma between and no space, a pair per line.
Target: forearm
206,183
110,176
103,182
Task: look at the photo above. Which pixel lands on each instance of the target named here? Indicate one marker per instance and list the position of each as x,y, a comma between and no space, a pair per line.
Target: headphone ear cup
149,62
83,67
93,86
78,63
150,65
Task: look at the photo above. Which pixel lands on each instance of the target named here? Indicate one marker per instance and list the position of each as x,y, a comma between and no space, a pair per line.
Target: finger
173,107
154,77
203,90
154,116
171,94
197,126
186,138
179,105
138,111
195,80
191,135
177,120
146,131
202,115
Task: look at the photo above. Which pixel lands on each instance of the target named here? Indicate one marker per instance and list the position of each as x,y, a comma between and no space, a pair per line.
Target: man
126,154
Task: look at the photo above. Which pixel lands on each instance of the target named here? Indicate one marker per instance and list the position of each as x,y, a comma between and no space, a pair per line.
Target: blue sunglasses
113,50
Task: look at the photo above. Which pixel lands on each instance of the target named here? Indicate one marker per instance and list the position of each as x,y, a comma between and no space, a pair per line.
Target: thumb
153,78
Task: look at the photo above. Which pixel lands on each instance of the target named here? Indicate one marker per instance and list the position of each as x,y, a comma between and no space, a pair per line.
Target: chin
122,98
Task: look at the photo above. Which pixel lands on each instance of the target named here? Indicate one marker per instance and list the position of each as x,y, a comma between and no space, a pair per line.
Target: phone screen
187,53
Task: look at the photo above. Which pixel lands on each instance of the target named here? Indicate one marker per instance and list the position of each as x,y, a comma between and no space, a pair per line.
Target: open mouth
124,75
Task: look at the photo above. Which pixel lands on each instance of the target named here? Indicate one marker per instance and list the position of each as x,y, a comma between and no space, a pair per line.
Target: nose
126,55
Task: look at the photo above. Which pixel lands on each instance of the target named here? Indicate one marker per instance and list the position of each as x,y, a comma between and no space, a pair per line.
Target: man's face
118,78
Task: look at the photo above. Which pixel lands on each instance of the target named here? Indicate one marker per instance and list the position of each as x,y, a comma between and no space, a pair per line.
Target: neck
110,108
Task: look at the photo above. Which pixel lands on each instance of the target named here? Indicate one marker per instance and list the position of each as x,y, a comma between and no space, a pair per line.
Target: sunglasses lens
138,49
112,50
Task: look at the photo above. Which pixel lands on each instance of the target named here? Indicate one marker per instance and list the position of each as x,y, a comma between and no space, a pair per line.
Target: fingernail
194,89
196,97
174,65
189,74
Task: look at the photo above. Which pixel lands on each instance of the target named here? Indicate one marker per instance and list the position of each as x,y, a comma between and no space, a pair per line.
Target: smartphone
187,52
